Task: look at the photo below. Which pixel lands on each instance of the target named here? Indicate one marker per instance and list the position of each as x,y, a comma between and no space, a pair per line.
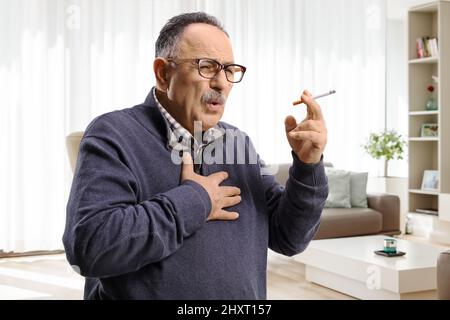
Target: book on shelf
427,47
420,48
427,211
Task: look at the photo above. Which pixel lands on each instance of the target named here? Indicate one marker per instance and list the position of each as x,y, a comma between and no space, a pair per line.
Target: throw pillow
358,193
338,188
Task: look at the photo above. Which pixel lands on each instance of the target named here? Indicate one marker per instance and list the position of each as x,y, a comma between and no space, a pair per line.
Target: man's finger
219,176
231,201
225,215
230,191
309,125
290,123
314,137
307,93
187,165
314,110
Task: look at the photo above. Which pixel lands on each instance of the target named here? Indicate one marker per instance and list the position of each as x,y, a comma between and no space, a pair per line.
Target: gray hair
169,37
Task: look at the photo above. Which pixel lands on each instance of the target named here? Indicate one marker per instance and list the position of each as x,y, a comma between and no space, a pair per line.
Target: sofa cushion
342,222
338,188
358,186
281,171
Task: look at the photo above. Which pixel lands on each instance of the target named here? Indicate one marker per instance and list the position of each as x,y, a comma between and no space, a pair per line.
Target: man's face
192,97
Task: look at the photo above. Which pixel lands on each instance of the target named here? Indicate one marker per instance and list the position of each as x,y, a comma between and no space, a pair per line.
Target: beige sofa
381,217
73,141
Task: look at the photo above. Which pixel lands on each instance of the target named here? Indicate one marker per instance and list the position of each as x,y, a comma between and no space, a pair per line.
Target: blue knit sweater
135,232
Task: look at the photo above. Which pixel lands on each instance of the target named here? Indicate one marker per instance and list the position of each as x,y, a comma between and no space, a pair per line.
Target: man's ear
161,69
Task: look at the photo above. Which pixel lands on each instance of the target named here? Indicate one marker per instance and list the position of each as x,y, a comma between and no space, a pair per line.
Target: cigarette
316,97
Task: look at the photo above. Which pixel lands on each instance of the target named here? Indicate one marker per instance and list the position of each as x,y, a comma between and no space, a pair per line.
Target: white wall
396,74
396,9
396,88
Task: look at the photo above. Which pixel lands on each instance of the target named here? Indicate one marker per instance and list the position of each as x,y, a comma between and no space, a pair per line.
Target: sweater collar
149,116
171,135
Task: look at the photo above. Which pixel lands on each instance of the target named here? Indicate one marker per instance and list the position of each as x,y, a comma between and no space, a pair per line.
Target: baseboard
27,254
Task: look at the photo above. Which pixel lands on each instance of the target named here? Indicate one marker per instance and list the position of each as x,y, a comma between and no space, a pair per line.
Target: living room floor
50,277
286,281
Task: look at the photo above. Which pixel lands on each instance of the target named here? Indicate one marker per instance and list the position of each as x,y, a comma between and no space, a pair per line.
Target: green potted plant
387,145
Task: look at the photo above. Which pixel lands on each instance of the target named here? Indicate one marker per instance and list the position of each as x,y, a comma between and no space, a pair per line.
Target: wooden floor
39,277
50,277
286,281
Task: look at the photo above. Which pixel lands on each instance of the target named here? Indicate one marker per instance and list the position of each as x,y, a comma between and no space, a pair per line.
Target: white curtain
64,62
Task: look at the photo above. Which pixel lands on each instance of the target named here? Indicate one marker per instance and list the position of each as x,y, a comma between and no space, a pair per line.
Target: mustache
213,97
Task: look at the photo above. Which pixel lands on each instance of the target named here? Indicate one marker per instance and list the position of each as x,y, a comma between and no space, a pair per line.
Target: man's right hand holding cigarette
308,138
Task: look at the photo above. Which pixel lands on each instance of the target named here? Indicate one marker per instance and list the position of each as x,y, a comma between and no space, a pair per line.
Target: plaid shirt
182,140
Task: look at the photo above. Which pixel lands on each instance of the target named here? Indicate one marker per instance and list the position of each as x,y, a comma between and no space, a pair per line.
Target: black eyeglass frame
222,67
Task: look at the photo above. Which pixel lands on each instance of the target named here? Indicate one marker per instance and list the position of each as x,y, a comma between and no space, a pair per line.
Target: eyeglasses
209,68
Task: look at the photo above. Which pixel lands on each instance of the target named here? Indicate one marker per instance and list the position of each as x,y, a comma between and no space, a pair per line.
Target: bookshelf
424,60
429,152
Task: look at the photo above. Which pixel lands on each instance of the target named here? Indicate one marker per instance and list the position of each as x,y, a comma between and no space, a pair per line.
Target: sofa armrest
389,206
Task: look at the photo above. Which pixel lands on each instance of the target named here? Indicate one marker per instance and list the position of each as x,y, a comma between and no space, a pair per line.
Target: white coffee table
349,265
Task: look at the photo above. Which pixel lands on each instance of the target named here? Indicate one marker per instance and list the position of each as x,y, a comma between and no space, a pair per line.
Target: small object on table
390,245
390,249
390,254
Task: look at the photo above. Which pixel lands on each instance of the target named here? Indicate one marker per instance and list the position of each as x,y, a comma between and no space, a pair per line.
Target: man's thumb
187,165
290,123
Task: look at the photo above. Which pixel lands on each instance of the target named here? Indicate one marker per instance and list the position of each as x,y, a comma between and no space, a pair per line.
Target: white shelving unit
429,153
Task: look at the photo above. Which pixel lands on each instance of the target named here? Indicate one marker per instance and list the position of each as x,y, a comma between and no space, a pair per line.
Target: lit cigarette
316,97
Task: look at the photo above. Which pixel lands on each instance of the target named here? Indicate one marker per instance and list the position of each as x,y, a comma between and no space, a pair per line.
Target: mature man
142,225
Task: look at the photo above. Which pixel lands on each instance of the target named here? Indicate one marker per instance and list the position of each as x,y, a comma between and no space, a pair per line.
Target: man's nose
220,82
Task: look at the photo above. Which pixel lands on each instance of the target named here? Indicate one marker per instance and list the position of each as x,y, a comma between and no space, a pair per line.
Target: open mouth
214,105
213,101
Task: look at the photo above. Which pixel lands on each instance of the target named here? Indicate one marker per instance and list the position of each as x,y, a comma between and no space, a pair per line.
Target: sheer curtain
62,63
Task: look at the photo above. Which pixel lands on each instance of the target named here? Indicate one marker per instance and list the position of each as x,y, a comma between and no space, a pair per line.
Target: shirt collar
181,139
